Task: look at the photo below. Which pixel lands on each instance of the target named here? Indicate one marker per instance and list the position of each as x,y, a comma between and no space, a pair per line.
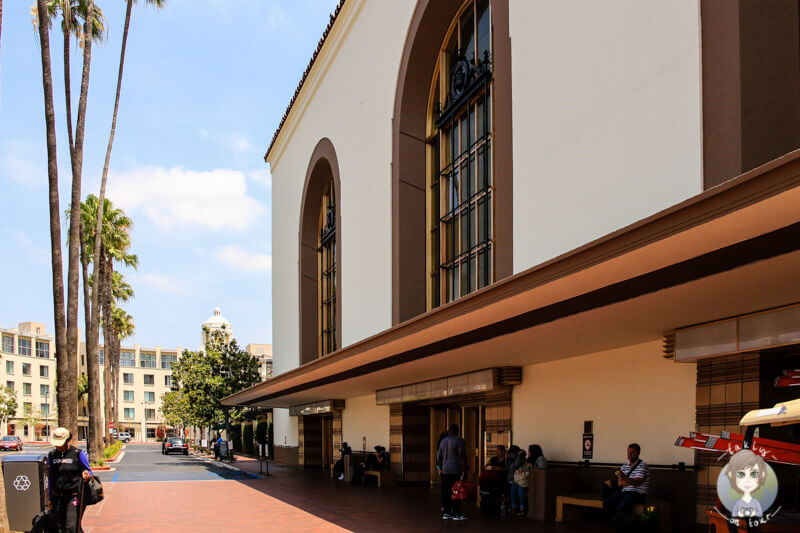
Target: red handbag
463,490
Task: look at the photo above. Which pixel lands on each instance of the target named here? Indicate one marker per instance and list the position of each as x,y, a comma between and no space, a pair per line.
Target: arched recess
427,31
323,169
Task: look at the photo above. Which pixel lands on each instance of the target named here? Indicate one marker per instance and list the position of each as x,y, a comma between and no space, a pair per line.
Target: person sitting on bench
629,486
338,467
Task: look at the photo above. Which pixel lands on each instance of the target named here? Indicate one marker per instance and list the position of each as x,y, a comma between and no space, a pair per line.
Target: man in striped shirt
634,478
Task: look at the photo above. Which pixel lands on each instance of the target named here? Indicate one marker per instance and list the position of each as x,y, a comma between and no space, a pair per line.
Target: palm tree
95,321
124,327
110,288
72,11
64,395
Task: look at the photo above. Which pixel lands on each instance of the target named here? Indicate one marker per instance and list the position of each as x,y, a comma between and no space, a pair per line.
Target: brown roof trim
768,180
769,245
306,72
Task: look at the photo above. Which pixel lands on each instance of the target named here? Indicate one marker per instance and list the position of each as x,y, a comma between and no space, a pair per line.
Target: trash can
26,486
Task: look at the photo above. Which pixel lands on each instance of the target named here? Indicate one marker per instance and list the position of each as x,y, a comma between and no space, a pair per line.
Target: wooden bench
593,500
382,475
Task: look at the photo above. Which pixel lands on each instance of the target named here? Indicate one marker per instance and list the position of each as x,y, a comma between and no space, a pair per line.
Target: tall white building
215,322
536,219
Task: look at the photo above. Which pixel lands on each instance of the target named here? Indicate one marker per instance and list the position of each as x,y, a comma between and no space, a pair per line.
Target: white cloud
158,282
215,199
238,257
262,177
19,163
35,253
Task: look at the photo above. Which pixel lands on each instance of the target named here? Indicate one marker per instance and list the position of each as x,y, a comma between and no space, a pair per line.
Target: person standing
452,461
69,467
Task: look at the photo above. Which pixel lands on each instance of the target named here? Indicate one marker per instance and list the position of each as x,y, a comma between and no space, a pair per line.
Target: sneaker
446,516
460,517
341,477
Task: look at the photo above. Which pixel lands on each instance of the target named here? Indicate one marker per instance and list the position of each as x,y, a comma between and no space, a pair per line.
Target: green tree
115,243
176,409
207,378
8,404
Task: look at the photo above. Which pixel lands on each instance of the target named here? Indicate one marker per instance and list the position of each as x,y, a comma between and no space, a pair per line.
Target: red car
11,442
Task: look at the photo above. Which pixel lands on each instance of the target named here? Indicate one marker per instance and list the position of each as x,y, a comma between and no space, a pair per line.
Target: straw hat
61,436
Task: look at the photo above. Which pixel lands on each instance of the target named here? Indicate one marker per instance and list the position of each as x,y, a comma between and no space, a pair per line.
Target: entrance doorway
470,421
318,445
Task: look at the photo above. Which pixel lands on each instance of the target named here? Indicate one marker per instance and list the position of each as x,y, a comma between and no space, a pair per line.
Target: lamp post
47,414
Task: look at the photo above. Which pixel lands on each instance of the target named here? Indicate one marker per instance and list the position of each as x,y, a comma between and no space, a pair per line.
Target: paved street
151,492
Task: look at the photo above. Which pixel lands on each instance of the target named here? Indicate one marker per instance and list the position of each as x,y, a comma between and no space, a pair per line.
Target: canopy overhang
731,250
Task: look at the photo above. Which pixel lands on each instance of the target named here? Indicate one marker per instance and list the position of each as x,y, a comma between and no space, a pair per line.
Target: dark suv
175,444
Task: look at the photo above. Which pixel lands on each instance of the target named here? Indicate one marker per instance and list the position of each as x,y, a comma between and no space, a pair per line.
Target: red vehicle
11,442
174,444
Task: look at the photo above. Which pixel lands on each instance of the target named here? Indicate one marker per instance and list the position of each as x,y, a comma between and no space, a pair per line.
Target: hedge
247,438
236,437
261,432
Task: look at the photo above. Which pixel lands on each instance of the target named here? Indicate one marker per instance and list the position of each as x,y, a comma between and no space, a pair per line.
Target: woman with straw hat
68,467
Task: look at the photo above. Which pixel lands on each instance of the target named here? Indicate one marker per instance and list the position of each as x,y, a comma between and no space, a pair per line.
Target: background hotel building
29,367
515,217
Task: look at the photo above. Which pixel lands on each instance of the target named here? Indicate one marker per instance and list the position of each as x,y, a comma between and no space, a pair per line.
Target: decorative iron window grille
461,240
326,252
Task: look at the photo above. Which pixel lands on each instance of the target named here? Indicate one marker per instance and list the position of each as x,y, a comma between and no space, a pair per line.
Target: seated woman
536,456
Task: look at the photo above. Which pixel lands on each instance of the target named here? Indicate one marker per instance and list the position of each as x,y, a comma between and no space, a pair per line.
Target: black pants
621,503
450,506
68,512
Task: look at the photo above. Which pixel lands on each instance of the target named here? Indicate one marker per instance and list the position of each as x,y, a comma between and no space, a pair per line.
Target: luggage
491,502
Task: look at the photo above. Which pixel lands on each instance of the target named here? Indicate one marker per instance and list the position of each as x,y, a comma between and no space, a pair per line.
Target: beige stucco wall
362,418
353,108
284,428
632,394
606,116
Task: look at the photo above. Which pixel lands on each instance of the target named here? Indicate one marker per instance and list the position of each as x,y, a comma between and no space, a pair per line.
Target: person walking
452,461
69,467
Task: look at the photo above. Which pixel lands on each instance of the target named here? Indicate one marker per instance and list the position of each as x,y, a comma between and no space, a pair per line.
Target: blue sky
205,85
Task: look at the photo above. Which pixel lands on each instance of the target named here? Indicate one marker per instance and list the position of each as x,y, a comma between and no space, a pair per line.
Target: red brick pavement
293,499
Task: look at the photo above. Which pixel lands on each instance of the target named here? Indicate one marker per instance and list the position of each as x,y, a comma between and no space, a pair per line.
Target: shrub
247,438
236,437
261,432
271,441
112,450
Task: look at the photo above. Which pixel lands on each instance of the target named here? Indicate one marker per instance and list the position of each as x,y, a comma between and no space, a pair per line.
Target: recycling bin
26,486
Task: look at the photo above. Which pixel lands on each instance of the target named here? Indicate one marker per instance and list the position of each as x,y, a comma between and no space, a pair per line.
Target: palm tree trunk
68,89
104,286
70,377
115,373
64,396
95,434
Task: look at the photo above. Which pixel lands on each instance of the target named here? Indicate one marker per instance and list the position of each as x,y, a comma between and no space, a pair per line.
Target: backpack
522,475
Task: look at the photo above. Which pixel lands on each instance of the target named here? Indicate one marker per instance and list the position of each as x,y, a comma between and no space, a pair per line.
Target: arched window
320,256
460,235
326,259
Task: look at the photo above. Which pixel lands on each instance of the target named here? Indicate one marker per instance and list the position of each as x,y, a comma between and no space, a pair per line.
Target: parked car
175,444
11,442
123,436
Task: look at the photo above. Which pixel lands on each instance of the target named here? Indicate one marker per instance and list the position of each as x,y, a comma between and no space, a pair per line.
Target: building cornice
341,20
